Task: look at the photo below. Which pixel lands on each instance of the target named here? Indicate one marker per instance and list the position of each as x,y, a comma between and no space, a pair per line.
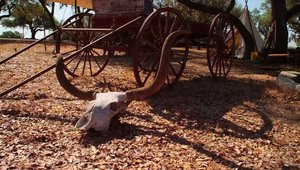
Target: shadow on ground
200,104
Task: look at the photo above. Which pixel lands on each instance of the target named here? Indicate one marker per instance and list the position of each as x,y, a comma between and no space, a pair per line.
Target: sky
251,4
64,14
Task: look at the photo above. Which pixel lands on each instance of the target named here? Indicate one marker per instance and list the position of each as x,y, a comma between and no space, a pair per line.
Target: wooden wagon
135,28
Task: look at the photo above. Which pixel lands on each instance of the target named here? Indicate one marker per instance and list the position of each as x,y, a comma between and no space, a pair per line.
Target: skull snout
101,111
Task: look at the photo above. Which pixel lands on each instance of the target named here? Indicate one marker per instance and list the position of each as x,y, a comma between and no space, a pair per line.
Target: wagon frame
141,32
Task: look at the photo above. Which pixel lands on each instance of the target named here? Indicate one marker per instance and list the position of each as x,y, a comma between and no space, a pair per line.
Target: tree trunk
279,13
33,33
50,14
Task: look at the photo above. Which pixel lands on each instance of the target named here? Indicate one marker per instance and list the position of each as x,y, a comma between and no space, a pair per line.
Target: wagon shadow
130,131
205,103
198,104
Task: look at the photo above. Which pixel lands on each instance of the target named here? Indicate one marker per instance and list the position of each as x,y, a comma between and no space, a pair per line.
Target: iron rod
33,44
87,29
26,48
30,79
66,58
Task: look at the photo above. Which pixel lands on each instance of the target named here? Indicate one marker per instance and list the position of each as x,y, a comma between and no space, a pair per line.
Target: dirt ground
243,122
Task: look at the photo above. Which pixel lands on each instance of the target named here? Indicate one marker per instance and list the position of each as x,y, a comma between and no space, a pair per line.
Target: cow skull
101,110
106,105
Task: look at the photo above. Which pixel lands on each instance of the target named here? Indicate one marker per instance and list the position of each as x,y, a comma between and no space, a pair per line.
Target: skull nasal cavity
114,106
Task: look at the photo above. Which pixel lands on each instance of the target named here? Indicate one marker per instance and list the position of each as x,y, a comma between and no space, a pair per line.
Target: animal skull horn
106,105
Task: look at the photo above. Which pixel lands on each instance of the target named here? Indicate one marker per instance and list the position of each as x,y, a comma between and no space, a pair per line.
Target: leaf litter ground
243,122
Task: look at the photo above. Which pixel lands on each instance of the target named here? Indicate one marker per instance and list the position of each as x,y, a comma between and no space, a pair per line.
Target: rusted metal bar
67,57
33,44
30,78
26,48
105,36
87,29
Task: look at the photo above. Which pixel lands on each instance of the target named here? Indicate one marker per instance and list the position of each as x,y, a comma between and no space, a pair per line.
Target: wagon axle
142,35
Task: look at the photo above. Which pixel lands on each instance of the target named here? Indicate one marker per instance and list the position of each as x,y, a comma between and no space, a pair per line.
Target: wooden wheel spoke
214,59
74,70
152,31
173,24
91,36
217,66
84,63
152,45
97,62
72,59
90,62
173,70
226,32
98,35
150,72
222,66
226,62
181,27
166,28
160,33
168,80
150,40
226,66
146,61
147,77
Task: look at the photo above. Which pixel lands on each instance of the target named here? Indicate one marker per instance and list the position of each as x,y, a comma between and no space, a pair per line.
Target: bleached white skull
106,105
101,110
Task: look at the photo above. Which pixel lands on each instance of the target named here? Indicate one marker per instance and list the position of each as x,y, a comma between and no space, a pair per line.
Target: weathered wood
118,7
278,55
87,29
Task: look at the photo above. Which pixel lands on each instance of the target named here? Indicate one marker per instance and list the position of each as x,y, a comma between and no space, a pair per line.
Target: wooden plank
278,55
87,29
118,7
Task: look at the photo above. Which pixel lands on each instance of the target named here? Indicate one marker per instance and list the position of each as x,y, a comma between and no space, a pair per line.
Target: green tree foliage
294,23
28,14
197,15
264,20
11,34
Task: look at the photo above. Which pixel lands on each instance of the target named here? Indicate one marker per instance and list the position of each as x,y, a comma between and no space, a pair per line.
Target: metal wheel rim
141,61
88,59
219,53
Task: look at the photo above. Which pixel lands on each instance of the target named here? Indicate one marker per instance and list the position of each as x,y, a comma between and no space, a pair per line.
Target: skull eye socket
114,106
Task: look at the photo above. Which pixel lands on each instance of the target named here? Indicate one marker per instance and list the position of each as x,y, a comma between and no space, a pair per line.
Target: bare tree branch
50,14
230,6
9,8
200,7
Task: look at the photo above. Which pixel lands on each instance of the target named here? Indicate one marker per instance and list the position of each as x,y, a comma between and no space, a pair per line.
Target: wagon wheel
221,46
149,41
90,61
81,86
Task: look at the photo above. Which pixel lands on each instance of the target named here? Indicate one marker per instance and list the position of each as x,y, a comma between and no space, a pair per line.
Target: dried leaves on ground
243,122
